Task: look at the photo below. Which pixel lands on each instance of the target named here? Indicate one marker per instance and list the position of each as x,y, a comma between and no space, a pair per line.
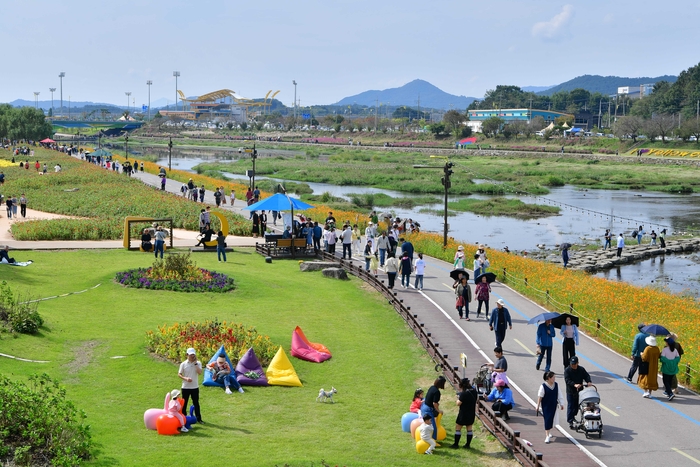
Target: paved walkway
637,431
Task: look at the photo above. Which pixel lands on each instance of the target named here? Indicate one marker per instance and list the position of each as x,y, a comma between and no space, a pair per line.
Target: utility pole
170,154
61,75
126,146
600,108
376,114
176,74
148,83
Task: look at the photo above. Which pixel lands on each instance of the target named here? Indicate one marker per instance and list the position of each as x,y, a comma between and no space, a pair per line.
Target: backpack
634,234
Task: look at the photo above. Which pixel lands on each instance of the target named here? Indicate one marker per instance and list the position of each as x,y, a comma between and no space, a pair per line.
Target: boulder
335,273
316,265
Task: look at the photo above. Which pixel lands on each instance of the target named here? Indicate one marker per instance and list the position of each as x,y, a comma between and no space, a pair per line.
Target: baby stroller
482,380
589,411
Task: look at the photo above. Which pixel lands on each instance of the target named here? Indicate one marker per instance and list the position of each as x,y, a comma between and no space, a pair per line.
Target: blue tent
279,202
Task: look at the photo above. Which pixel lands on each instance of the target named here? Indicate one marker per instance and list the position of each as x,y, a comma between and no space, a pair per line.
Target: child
175,409
426,432
221,373
417,401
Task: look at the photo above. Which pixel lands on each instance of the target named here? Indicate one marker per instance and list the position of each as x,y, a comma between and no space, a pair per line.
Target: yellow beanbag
281,372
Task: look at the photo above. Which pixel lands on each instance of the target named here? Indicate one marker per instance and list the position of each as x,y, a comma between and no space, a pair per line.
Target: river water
583,218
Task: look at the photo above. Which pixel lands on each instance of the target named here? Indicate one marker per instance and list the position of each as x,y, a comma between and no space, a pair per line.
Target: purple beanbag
247,366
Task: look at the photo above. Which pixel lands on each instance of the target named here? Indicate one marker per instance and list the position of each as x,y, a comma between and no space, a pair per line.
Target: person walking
620,245
545,333
391,268
368,254
431,403
549,397
500,317
638,346
569,334
405,270
464,296
263,223
466,401
640,234
669,366
574,376
662,236
23,205
220,245
189,372
679,348
346,237
8,204
459,258
608,238
160,241
382,247
419,269
565,255
482,290
357,241
649,367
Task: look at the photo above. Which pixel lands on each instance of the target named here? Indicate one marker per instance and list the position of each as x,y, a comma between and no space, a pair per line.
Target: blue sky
332,48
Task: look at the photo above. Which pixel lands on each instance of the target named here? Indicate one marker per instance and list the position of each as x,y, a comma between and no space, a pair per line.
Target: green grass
376,365
503,207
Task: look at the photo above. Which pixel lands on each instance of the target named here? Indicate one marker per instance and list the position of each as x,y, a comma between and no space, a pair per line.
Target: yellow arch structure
224,227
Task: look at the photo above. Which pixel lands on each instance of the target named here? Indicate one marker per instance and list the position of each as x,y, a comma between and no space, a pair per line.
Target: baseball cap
191,351
574,360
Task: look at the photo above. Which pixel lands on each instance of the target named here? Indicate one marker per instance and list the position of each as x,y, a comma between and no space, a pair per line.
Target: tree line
23,123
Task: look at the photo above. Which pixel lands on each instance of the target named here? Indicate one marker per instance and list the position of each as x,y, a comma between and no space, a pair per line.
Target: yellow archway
224,227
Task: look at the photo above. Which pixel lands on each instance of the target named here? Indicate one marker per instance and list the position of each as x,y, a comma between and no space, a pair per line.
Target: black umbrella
490,277
565,246
455,274
560,320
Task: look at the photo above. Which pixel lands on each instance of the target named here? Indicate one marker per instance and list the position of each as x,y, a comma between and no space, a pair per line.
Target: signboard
144,108
249,173
305,116
249,151
463,360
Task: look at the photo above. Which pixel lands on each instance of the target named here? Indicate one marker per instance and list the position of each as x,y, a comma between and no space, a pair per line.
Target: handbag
496,407
460,301
644,368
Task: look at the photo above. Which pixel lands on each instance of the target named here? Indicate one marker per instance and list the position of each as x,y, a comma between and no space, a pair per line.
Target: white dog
323,395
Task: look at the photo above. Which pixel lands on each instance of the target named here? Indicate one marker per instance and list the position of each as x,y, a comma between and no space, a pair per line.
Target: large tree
628,127
660,125
454,121
491,126
25,123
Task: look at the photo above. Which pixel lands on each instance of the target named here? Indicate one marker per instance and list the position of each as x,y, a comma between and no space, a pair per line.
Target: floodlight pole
148,83
53,112
176,74
61,75
170,154
126,146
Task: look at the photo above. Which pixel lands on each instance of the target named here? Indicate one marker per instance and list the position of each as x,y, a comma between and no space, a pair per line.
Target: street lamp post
36,99
295,101
61,75
447,172
52,111
127,100
176,74
148,83
170,154
126,146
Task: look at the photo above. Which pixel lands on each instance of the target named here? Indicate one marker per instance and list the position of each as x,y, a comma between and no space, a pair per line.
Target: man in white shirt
189,373
382,246
331,239
346,236
419,267
370,233
620,245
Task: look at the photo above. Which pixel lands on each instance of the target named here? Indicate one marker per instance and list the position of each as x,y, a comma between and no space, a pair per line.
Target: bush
18,314
172,342
38,423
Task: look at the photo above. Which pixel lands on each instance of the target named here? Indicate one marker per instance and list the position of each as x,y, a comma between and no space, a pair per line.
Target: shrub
38,423
171,342
18,314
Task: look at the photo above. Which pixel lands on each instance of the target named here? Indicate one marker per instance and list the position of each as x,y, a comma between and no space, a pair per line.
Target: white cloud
556,27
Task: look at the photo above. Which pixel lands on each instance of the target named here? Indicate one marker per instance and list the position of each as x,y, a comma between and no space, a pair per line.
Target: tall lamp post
148,83
127,100
170,154
36,99
447,171
126,145
176,74
52,111
61,75
295,101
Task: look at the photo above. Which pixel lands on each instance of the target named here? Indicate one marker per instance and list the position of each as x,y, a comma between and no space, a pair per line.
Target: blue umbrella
542,317
655,330
278,202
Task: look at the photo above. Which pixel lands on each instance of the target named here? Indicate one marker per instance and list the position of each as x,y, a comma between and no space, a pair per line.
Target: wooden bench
288,243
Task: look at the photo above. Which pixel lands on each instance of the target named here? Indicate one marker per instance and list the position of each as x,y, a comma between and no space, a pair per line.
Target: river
584,216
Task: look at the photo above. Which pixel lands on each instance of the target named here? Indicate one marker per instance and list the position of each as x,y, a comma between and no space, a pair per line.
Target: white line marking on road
448,286
608,410
525,347
511,383
686,455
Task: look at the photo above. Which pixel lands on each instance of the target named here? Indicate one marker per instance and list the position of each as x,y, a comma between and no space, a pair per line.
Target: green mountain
430,97
606,85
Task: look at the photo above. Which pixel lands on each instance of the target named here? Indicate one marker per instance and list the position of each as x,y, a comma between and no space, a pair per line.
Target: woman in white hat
459,258
649,368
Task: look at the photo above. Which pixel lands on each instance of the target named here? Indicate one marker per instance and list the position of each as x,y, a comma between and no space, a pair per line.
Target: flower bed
171,342
143,278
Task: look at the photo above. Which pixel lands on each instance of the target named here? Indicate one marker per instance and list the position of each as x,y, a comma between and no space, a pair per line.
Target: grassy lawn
377,363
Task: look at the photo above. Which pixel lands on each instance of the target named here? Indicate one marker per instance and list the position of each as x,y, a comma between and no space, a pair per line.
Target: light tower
176,74
127,100
295,100
36,99
61,75
52,111
148,83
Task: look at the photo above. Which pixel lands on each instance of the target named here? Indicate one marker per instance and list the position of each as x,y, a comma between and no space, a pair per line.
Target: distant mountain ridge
603,84
430,97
